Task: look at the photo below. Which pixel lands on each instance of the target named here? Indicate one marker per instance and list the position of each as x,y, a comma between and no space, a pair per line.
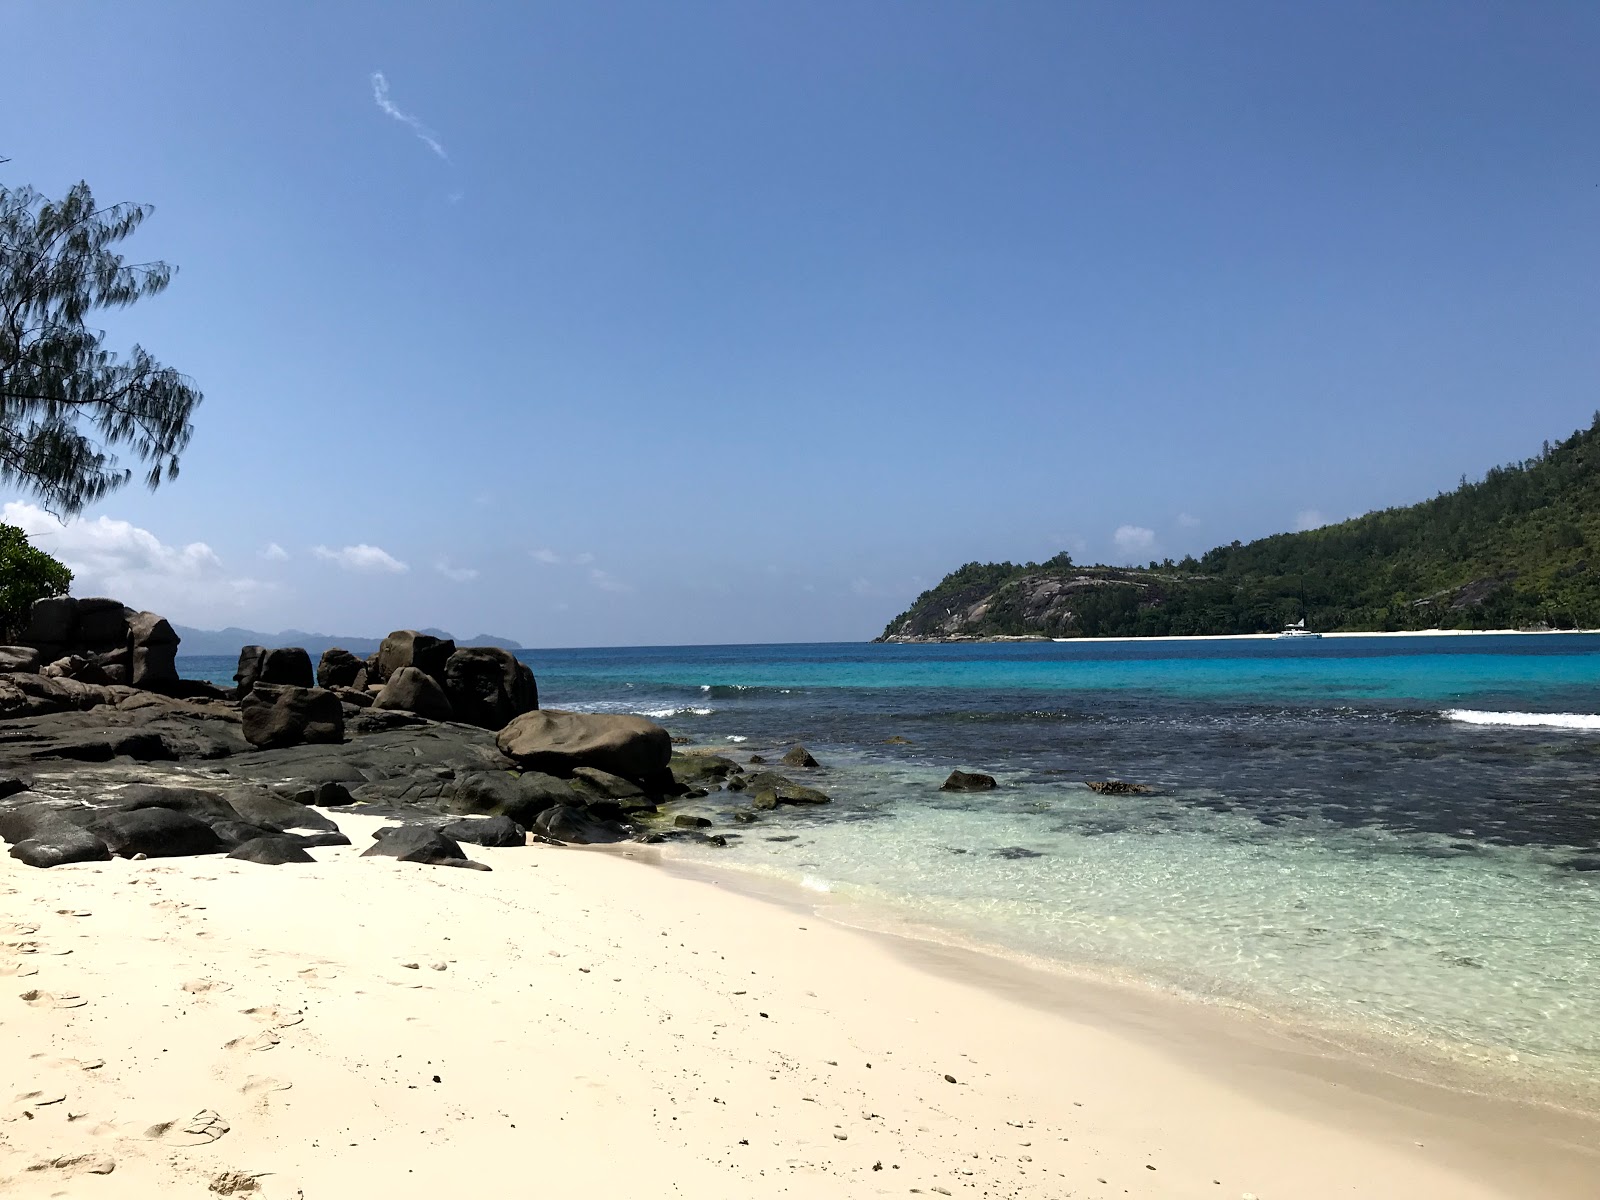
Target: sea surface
1390,838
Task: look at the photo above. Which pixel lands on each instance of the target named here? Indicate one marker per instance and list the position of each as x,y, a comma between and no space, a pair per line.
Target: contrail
380,95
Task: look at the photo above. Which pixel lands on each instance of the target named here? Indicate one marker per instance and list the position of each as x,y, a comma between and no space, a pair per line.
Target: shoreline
1225,637
284,1024
1045,982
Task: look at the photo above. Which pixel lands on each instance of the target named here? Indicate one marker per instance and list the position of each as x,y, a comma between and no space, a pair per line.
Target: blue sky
613,323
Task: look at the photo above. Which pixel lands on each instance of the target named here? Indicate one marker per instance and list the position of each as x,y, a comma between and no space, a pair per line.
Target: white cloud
548,557
584,559
273,553
361,557
109,557
380,96
607,582
1309,518
1188,520
455,574
1134,541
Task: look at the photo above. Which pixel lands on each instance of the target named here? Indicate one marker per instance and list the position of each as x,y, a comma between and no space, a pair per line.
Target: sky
641,323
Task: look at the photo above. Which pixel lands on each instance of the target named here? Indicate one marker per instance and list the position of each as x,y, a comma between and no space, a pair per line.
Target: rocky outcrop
408,648
420,844
799,756
411,690
559,742
968,781
276,716
487,831
489,686
767,790
339,668
100,640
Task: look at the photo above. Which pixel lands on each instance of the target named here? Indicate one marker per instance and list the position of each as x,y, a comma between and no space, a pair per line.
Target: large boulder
489,686
154,833
288,665
102,624
420,844
767,789
62,844
248,671
551,740
580,826
500,793
968,781
339,668
487,831
275,716
702,770
408,648
153,661
19,658
412,690
610,793
52,621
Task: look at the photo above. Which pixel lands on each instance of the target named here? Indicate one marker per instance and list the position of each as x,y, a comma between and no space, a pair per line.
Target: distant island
1516,550
229,641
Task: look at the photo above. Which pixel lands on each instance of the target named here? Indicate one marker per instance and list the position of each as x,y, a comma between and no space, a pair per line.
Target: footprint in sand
73,912
16,929
78,1164
205,1126
200,986
38,999
17,968
69,1064
37,1099
30,947
271,1014
265,1040
265,1083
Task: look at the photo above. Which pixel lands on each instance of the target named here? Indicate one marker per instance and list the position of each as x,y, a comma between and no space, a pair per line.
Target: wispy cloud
607,582
273,553
1309,518
455,574
1133,541
362,557
548,557
380,96
1188,520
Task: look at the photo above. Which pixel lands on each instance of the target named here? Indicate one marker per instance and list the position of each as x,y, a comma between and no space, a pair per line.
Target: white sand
603,1029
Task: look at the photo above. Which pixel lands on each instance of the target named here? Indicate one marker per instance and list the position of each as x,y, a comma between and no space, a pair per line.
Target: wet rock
700,770
768,790
1118,787
968,781
272,851
500,793
690,821
799,756
580,826
487,831
603,790
332,794
1017,852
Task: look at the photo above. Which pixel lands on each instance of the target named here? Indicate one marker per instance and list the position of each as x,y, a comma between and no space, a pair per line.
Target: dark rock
236,833
10,785
420,844
580,826
251,659
1117,787
29,816
62,844
698,770
288,665
272,851
339,668
276,716
408,648
352,697
153,662
555,741
154,833
897,740
690,821
19,658
756,760
799,756
195,802
52,621
262,807
746,816
489,686
520,797
331,837
412,690
603,789
332,794
102,623
487,831
968,781
768,790
1017,852
382,720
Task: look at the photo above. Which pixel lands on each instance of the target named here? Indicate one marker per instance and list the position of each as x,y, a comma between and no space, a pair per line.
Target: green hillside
1518,549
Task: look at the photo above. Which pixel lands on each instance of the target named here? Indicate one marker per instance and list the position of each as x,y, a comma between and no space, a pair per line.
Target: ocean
1392,839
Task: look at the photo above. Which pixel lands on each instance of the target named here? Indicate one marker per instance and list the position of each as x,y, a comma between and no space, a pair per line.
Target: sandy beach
578,1024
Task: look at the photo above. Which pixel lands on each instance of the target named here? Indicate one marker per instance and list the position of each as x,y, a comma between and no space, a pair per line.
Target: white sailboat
1298,630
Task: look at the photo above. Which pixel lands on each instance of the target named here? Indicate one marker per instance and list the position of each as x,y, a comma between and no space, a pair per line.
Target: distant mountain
229,641
1518,549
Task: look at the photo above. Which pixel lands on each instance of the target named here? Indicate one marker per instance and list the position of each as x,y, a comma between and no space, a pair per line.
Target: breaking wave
1526,720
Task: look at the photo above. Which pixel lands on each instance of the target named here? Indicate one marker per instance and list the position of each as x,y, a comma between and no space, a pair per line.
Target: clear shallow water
1391,835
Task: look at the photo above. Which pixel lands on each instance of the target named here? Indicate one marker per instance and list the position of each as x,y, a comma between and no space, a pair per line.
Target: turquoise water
1391,837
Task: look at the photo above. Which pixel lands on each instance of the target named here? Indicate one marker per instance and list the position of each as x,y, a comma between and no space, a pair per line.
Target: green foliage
65,401
1519,548
26,574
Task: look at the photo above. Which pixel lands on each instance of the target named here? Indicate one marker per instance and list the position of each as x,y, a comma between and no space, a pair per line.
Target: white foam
660,714
733,737
1527,720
